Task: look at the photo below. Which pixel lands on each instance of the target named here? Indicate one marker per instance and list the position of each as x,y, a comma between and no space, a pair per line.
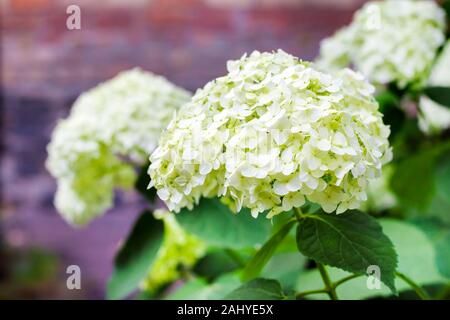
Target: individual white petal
324,145
280,188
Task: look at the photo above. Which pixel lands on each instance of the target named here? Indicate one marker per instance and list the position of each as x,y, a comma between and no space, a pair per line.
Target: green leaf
141,185
386,100
258,289
135,258
416,259
440,203
392,114
259,260
352,241
311,207
285,267
193,290
438,94
215,263
199,289
215,224
446,6
422,183
439,234
412,180
443,173
30,267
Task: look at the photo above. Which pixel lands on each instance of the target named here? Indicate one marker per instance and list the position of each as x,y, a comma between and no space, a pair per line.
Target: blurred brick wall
45,67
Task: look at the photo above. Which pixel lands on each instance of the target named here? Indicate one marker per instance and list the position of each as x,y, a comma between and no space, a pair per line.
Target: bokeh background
44,67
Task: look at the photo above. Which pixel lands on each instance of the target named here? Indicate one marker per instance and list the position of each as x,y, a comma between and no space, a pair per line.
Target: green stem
305,293
417,289
345,279
298,213
326,280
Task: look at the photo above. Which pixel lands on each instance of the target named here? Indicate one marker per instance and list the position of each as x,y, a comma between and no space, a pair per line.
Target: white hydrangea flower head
131,110
121,118
271,133
86,170
434,117
388,41
179,248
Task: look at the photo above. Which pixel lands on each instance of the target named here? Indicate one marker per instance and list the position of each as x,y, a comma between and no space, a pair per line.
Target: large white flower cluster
271,132
434,117
117,120
388,41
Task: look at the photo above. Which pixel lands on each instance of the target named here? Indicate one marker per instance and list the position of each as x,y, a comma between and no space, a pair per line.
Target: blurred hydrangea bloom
271,132
121,118
434,117
380,196
179,249
388,41
86,170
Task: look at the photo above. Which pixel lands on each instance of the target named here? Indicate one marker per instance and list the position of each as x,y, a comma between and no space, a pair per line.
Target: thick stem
417,289
345,279
326,280
306,293
298,213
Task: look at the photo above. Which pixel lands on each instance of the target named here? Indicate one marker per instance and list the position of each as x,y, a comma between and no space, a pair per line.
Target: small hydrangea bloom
388,41
271,133
434,117
179,249
380,196
121,118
